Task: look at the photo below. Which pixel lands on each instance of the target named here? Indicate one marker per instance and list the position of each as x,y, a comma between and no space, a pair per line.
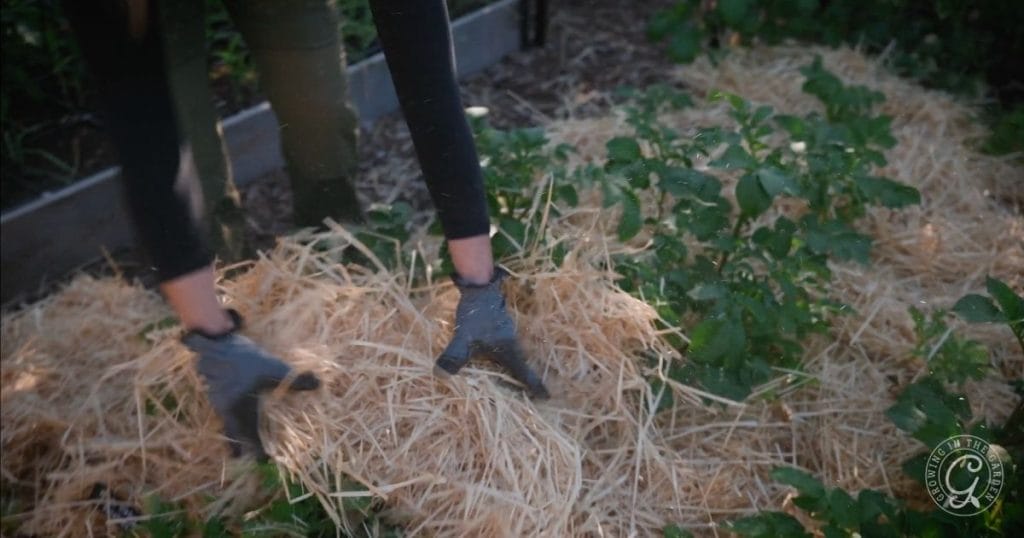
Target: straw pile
94,390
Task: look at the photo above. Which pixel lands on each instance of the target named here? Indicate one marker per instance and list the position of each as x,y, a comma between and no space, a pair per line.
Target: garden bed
97,389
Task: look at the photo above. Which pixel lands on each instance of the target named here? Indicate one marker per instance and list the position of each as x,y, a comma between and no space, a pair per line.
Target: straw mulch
94,390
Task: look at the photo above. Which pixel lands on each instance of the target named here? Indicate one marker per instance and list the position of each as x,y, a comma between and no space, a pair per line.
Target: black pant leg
417,43
125,54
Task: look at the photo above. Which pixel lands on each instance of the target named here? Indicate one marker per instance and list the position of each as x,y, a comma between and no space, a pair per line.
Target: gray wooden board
62,231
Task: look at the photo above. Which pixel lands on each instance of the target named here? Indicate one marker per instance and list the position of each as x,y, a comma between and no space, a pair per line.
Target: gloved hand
483,327
236,372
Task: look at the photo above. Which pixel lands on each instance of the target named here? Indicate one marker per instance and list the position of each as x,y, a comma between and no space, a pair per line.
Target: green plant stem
735,234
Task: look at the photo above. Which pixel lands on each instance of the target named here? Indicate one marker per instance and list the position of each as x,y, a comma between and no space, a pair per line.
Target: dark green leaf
510,239
752,198
735,157
611,190
165,323
215,528
873,504
978,309
769,525
166,520
713,340
843,508
661,24
567,193
1011,303
804,482
632,218
723,381
959,360
705,222
684,44
916,466
735,12
776,181
837,239
681,182
832,531
710,137
735,101
887,192
778,241
762,113
928,413
623,150
797,127
929,524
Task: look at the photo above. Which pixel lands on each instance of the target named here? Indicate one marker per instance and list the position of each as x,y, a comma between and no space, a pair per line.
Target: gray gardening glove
483,327
236,372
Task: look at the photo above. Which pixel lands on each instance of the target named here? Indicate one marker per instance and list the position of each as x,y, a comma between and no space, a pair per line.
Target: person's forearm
472,258
194,299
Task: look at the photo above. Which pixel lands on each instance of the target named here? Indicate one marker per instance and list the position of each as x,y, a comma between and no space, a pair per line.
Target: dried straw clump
95,391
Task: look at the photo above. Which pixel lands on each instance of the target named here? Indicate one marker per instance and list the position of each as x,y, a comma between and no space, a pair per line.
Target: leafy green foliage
166,520
948,44
357,29
1007,131
513,162
929,413
677,26
839,514
384,234
925,409
1003,306
300,514
756,279
44,84
162,324
869,513
950,358
978,309
747,283
230,61
769,525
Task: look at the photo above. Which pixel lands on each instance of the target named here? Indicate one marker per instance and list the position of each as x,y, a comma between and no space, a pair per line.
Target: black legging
417,43
135,96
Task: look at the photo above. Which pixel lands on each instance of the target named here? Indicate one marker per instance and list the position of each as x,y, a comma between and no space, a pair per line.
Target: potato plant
929,412
747,282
